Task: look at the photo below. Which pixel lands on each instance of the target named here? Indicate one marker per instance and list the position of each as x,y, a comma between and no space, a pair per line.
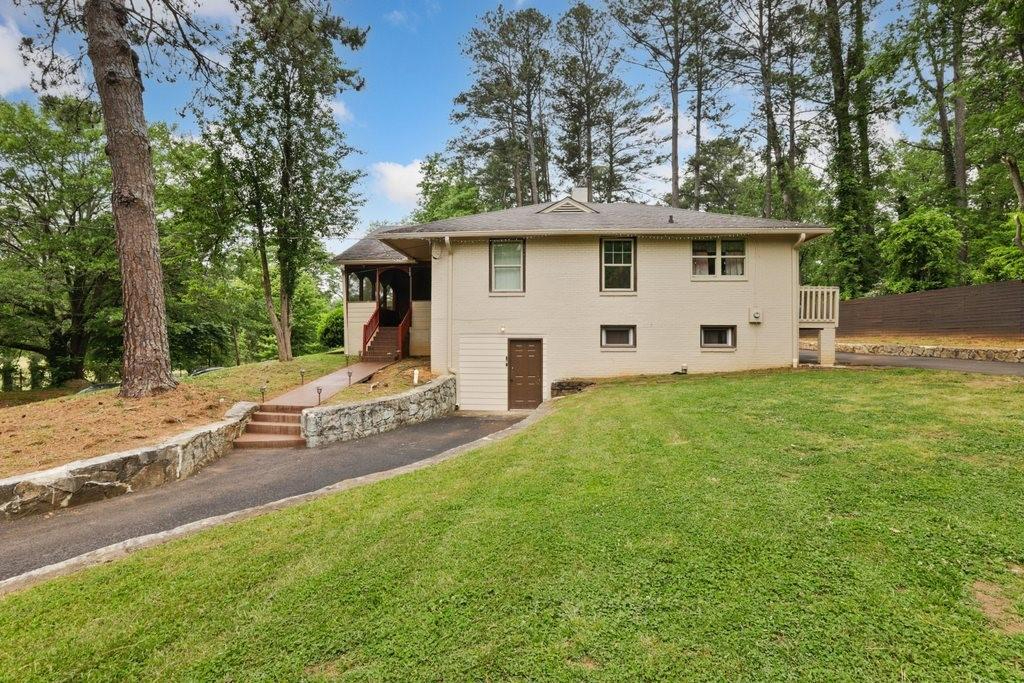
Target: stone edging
916,351
114,474
329,424
124,548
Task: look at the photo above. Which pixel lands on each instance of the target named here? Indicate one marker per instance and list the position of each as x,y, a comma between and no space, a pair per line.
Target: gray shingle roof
370,250
617,217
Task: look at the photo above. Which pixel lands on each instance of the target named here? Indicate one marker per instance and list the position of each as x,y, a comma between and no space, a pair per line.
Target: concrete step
273,428
379,357
269,441
289,418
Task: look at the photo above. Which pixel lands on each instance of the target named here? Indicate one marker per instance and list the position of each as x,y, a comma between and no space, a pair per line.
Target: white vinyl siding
483,374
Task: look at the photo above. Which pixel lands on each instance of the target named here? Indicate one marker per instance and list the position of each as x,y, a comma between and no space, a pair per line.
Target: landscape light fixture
350,378
263,393
302,376
318,390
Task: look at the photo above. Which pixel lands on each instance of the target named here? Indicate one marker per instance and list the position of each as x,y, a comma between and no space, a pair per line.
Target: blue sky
413,68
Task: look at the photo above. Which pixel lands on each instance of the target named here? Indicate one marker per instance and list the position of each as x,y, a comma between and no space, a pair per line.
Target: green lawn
784,525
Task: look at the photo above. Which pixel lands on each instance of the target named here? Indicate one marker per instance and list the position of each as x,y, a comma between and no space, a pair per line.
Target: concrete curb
124,548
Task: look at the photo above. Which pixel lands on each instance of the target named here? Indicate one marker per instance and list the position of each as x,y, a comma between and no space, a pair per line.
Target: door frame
508,369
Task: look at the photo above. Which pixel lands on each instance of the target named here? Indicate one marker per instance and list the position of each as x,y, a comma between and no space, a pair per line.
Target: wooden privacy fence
995,309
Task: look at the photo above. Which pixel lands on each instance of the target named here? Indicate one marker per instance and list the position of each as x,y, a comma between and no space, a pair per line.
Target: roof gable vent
567,205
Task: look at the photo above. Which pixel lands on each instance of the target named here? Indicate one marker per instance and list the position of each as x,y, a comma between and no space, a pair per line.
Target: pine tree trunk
698,115
674,197
146,367
531,147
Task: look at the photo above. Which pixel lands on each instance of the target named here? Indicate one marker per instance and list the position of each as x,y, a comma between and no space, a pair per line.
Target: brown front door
525,373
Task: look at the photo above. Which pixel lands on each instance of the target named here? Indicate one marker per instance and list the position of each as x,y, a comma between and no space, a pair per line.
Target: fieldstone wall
330,424
115,474
908,350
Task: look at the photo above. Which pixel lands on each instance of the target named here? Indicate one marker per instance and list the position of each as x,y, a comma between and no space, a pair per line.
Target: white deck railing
819,305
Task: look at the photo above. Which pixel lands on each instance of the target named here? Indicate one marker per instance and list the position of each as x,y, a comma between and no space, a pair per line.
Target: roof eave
810,230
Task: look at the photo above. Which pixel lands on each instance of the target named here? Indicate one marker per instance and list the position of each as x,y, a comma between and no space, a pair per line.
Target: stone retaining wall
330,424
908,350
115,474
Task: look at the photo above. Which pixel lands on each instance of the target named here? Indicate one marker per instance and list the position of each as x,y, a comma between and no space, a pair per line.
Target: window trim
490,266
632,335
731,346
632,265
720,260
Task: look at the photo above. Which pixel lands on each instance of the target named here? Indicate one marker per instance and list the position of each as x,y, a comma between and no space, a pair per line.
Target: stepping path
277,423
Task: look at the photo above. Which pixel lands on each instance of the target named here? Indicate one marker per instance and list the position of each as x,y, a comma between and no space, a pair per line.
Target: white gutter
451,295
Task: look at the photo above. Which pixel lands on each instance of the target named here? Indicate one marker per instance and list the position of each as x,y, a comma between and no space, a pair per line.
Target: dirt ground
959,341
394,379
52,432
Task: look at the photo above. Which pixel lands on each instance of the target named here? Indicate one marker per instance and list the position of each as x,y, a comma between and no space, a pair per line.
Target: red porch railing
370,328
403,333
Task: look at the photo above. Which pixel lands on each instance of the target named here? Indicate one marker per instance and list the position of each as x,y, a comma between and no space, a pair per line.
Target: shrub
332,328
920,252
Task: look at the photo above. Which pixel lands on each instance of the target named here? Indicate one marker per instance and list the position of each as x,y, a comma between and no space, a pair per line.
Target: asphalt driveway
240,480
984,367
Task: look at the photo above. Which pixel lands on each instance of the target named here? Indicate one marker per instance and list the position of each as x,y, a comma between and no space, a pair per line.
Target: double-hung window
618,265
508,266
719,258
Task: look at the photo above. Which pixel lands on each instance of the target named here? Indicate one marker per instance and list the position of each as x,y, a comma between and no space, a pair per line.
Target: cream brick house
511,301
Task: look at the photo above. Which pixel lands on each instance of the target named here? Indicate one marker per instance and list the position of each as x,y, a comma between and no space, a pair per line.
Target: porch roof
370,251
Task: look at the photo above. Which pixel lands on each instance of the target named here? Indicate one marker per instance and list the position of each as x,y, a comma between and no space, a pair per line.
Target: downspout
451,296
794,300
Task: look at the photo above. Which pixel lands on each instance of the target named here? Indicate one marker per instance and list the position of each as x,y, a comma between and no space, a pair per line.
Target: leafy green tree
58,268
629,147
332,328
446,191
281,145
584,68
503,108
920,252
725,182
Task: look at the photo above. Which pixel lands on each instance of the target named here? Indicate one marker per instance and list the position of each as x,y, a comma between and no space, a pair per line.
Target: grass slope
813,525
60,430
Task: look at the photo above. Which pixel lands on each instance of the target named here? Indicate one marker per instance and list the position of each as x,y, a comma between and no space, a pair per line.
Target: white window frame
631,265
719,259
730,344
494,267
632,336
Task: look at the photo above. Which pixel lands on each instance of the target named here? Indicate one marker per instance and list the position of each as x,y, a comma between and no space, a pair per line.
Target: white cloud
889,129
341,111
397,17
14,74
217,9
398,182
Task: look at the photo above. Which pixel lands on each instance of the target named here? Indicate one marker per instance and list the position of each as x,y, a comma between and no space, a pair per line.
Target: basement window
718,336
618,336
